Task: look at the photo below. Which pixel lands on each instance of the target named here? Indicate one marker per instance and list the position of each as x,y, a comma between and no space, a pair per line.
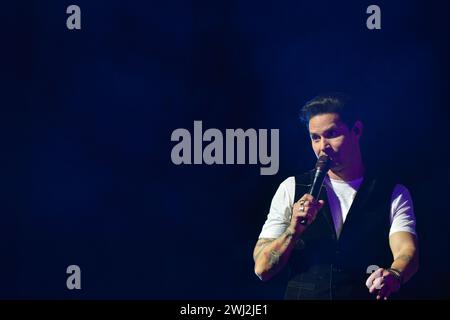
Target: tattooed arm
271,255
405,251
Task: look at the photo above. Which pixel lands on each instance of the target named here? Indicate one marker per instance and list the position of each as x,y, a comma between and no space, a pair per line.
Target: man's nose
324,146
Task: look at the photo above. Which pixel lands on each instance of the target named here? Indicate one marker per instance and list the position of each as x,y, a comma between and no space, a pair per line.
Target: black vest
324,267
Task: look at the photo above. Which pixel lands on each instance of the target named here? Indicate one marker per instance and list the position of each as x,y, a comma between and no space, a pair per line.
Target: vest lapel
358,203
326,212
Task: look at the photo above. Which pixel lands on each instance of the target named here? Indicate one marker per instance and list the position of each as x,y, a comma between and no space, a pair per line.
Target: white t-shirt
339,200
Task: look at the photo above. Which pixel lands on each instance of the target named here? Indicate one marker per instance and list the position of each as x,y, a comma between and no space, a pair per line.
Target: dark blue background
87,116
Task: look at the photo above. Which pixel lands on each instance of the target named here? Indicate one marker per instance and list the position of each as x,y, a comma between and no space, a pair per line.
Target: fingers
298,214
305,208
376,274
384,293
382,283
375,280
377,284
308,202
391,285
308,197
308,208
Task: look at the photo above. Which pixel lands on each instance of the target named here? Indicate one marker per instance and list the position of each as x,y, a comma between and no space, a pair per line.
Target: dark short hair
330,103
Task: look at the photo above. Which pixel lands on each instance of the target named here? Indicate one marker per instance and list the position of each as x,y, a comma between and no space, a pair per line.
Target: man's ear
358,128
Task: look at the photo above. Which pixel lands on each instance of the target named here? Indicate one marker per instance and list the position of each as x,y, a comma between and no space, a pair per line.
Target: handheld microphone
321,169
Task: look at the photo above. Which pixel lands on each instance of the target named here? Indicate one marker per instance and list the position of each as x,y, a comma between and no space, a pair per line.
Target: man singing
359,240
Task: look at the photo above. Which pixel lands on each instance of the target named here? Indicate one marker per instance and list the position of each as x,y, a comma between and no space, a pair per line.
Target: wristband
396,274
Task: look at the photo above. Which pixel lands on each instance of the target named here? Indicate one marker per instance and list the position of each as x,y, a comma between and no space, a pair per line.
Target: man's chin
336,168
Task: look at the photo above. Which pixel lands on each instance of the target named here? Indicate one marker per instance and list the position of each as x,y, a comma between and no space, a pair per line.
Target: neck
347,174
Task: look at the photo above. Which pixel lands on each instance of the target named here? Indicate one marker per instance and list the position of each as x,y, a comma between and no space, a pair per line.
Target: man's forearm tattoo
288,233
274,258
274,254
260,245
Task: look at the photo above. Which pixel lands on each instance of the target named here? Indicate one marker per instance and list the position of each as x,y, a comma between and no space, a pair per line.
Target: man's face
330,136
